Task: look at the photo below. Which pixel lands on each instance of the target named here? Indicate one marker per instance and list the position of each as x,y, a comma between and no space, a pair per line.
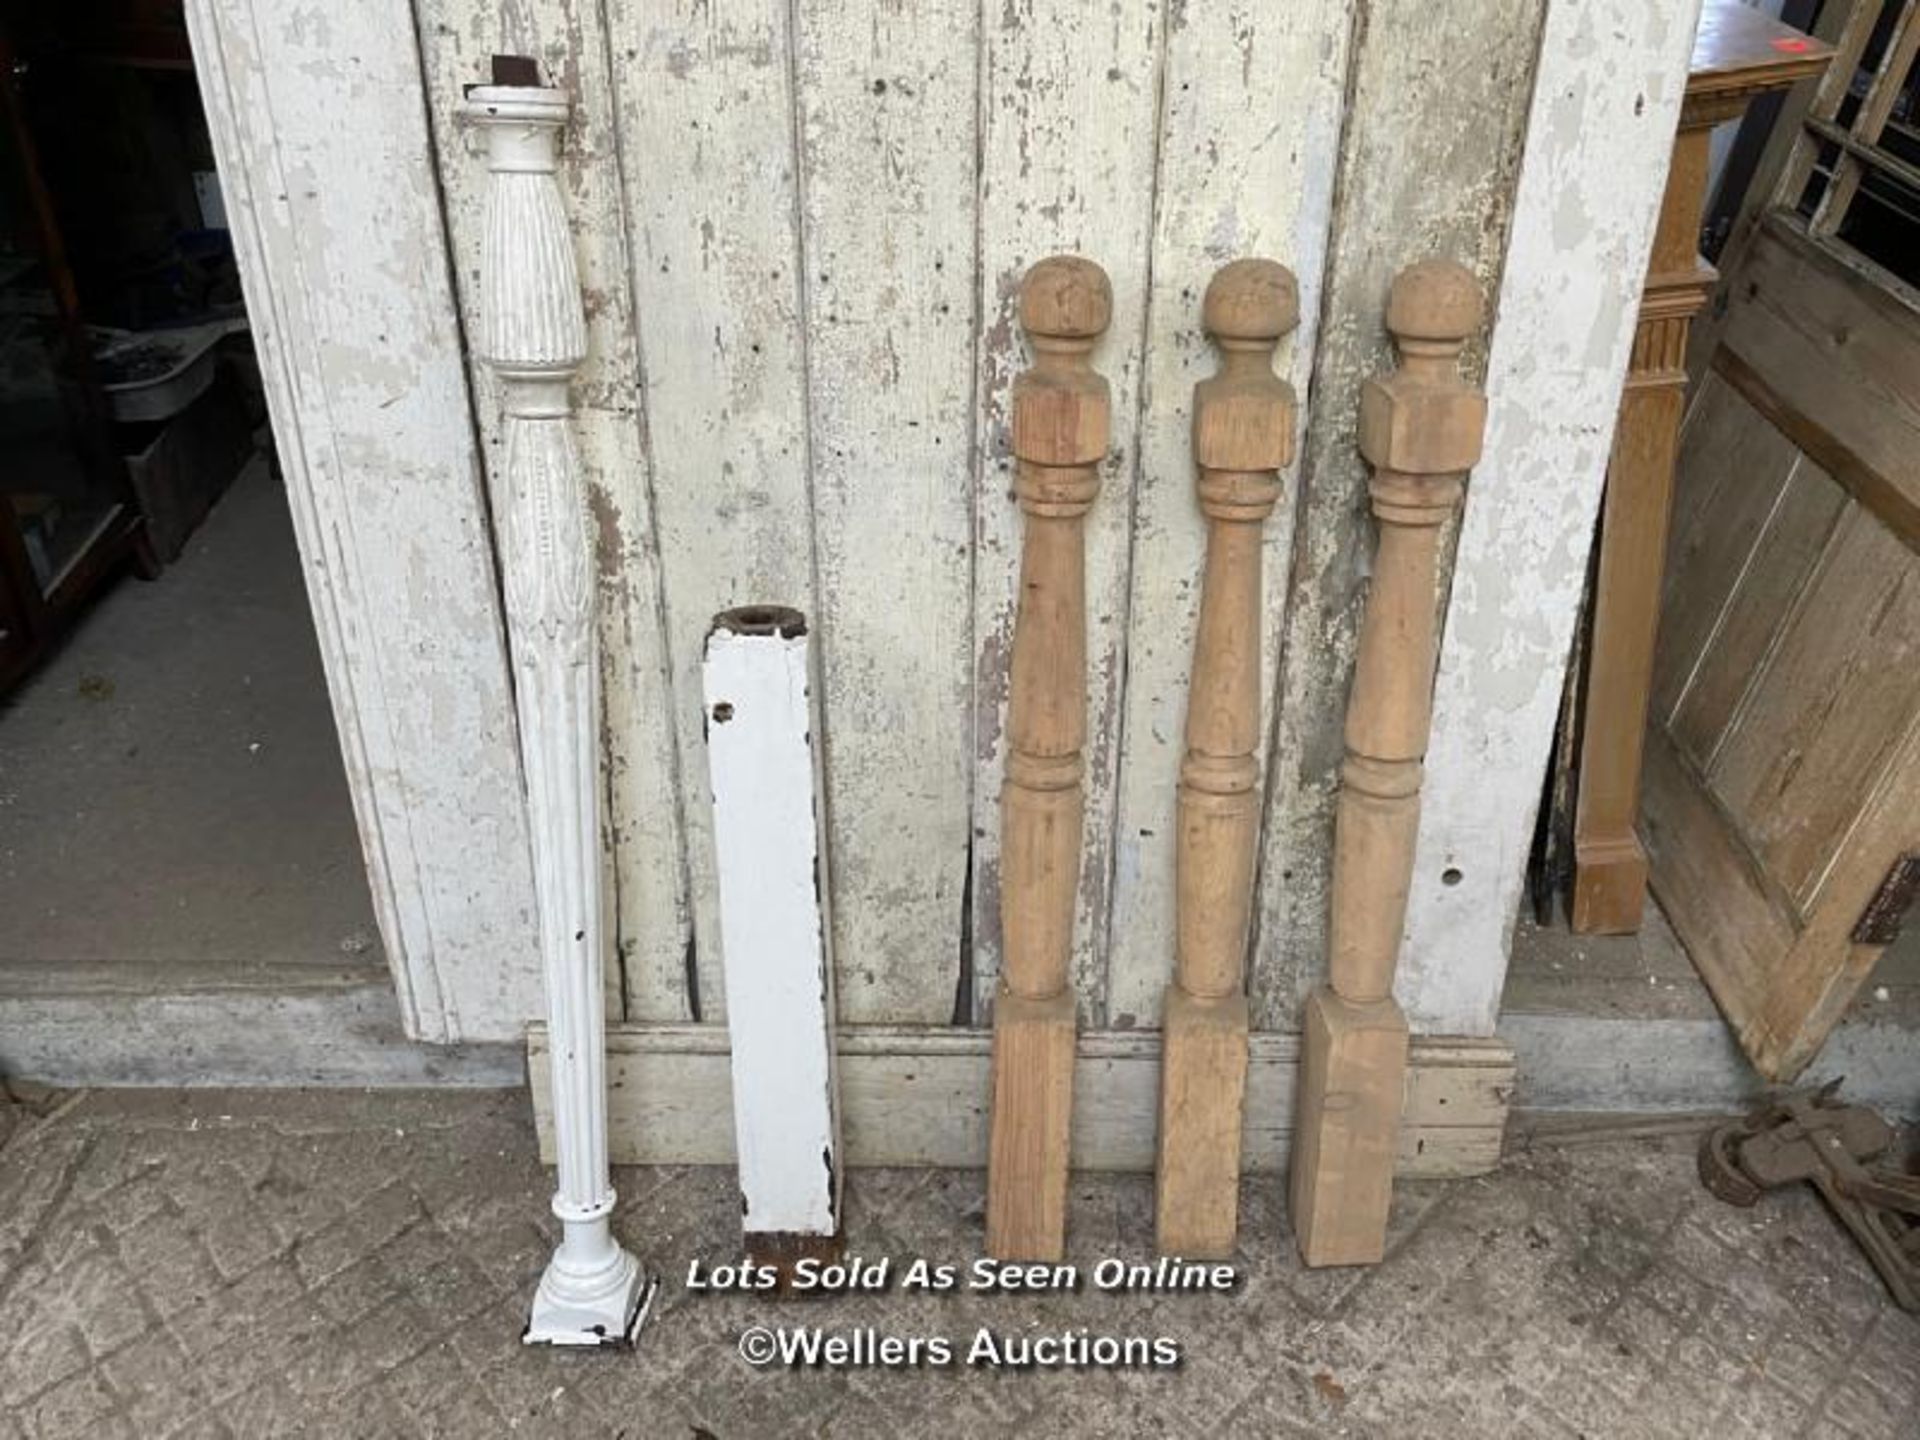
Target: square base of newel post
1031,1125
1609,886
1203,1086
1353,1069
608,1310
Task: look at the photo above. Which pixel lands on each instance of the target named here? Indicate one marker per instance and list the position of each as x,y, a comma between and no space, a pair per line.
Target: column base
1353,1068
601,1310
1203,1087
1609,886
1031,1125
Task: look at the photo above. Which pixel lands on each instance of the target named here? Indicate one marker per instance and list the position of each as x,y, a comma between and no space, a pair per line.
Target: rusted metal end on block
779,620
516,70
780,1251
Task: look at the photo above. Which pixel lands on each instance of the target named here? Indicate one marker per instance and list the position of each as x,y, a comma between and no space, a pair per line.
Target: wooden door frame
319,131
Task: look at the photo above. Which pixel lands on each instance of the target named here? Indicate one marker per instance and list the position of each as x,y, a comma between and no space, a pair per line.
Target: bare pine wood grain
1243,436
1746,600
1420,431
1723,452
1827,355
1061,426
1814,733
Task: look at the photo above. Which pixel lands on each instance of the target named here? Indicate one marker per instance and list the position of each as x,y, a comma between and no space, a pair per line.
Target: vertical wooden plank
647,890
887,108
326,167
1069,108
704,115
1249,143
1427,164
1838,692
1749,619
1726,451
1606,101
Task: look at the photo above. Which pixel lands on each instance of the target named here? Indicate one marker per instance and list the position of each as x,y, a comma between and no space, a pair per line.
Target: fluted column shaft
533,337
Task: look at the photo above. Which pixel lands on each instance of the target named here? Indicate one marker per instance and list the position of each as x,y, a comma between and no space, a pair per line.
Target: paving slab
354,1264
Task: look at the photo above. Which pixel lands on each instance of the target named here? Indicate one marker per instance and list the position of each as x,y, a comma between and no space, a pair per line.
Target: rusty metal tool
1810,1135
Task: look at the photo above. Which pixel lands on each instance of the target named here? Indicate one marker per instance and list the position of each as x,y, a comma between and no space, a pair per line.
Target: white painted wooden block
772,873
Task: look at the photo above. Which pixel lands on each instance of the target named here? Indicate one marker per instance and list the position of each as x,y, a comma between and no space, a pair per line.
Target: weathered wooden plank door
800,230
1783,748
327,171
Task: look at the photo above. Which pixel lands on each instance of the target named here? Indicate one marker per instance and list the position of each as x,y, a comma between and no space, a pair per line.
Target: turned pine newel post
533,336
1243,421
1060,419
1420,430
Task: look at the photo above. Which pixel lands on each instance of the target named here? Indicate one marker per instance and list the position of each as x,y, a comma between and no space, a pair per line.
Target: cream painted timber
1605,106
1069,99
1249,144
884,97
646,892
703,112
324,161
1435,117
916,1096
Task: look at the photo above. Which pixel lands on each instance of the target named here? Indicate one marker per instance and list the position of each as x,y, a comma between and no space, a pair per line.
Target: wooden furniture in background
1243,423
1420,429
1060,421
1738,53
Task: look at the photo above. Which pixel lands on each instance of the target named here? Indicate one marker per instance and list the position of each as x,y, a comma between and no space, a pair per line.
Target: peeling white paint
772,874
324,160
1605,107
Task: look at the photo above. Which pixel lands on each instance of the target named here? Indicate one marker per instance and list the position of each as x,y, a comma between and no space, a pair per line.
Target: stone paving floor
252,1264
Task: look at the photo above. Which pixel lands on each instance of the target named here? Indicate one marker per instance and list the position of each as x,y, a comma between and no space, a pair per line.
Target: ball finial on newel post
1437,300
1066,297
1251,300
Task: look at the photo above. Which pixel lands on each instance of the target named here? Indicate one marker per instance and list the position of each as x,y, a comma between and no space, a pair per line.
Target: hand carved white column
533,335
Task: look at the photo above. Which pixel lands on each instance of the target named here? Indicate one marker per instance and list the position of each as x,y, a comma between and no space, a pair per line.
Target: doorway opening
182,893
